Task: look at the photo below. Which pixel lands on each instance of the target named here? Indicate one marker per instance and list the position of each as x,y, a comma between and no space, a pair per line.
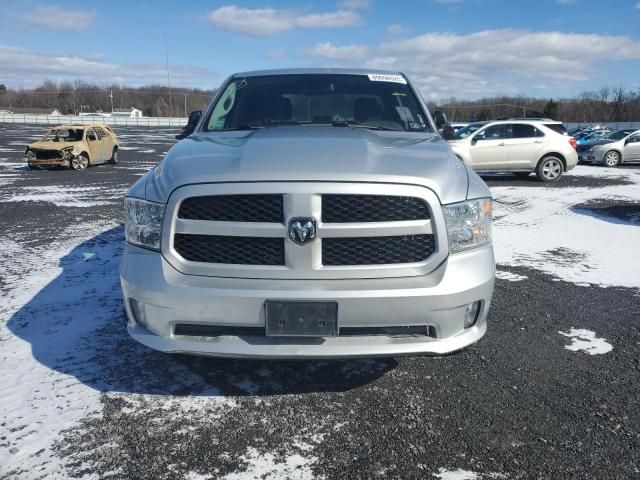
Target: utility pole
185,105
111,97
166,54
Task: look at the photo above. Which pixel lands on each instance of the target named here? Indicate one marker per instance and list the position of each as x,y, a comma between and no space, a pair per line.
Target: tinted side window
495,132
634,139
522,130
100,133
557,127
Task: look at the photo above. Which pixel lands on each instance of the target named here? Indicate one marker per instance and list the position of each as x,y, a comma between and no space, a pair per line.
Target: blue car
592,136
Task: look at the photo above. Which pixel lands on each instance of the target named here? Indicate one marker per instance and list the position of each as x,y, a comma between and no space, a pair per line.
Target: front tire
611,159
80,162
550,169
115,156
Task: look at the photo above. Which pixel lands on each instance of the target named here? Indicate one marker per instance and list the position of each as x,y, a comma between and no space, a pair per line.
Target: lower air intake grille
198,330
230,250
376,250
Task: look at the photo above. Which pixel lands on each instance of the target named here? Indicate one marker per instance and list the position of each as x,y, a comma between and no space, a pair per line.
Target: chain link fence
91,120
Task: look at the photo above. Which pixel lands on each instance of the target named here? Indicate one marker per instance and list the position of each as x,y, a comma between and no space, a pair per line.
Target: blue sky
461,48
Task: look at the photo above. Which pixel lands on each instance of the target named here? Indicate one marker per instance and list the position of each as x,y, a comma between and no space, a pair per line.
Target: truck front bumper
164,298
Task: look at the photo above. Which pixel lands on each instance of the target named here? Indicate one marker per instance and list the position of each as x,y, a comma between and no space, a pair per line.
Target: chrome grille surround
304,199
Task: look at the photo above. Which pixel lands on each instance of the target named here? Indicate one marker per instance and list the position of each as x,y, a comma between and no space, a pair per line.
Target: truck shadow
76,326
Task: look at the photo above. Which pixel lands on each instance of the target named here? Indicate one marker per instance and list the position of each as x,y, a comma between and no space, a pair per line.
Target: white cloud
331,52
55,18
637,7
268,21
397,29
566,2
486,62
353,4
24,68
339,19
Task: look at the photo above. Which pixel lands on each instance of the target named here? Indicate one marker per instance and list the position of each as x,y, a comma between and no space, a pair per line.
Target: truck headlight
468,224
143,222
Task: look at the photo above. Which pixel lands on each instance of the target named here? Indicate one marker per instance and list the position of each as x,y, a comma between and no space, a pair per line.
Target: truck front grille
241,230
230,250
47,154
233,208
372,208
376,250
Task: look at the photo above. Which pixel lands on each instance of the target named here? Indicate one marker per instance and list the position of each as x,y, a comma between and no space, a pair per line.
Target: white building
130,112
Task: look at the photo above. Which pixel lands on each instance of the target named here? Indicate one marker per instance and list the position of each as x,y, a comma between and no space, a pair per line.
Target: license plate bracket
301,319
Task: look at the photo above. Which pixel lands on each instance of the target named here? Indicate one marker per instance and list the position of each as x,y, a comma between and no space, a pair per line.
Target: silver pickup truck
309,213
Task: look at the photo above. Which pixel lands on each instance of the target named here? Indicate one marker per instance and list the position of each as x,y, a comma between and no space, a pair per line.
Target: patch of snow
270,467
60,355
512,277
536,228
65,196
586,341
459,474
444,474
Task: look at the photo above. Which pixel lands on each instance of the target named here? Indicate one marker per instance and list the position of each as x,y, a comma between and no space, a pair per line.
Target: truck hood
297,153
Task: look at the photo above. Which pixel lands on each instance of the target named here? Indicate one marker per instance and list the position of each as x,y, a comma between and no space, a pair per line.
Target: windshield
384,102
469,129
63,135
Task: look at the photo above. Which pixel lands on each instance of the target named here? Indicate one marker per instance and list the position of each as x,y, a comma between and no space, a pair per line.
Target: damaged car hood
50,145
297,153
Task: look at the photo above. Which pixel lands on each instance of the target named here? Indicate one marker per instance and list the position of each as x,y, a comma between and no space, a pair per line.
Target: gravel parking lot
551,392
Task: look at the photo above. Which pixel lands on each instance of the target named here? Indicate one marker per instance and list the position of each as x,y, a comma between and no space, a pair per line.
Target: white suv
517,146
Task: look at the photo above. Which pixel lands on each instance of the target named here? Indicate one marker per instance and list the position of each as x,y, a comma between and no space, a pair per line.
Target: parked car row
613,149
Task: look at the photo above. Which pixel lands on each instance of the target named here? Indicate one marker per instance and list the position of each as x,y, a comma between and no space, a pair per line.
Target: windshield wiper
344,123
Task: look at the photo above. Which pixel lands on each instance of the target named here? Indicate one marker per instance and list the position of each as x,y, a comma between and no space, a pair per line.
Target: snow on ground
512,277
459,474
586,341
269,467
538,228
65,196
55,330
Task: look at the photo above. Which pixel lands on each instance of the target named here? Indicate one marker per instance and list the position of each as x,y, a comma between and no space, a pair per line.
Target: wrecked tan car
74,146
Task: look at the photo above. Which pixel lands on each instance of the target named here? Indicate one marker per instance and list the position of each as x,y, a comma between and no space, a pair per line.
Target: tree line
72,98
605,105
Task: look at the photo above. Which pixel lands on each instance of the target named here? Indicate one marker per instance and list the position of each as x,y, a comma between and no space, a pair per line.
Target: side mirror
91,137
192,123
448,132
474,140
440,119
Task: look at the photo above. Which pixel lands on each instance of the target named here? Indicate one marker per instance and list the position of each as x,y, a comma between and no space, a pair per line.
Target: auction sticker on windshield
379,77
